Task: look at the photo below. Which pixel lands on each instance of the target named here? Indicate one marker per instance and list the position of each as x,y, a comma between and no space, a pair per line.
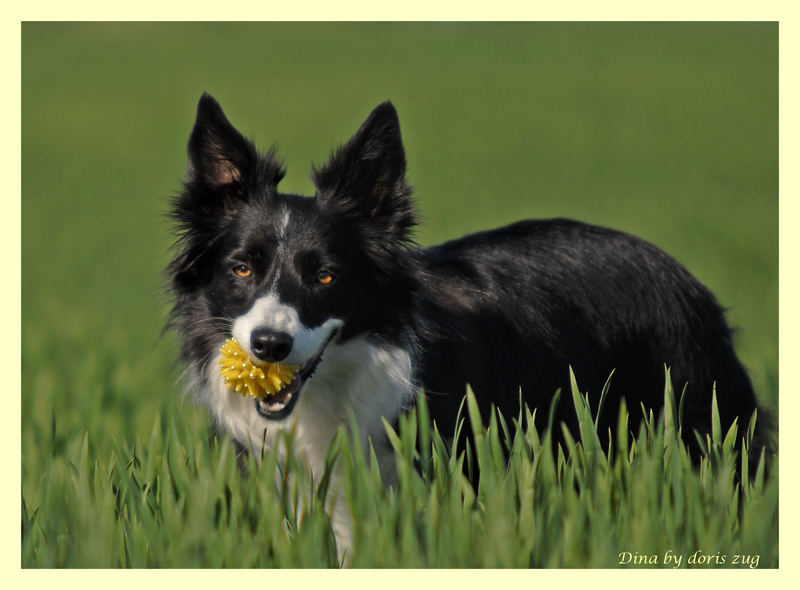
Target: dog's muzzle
280,404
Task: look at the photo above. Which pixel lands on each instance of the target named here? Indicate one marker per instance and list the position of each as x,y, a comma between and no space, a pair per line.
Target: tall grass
176,500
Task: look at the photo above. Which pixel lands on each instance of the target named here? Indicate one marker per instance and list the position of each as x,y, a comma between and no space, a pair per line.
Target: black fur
519,305
502,310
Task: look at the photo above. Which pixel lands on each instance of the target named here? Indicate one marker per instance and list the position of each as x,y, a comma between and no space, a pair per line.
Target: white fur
269,312
284,224
369,379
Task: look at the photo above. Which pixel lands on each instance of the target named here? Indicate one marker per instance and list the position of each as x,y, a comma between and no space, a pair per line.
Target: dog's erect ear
365,178
218,154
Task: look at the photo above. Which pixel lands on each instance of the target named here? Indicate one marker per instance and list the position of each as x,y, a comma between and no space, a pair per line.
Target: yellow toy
248,378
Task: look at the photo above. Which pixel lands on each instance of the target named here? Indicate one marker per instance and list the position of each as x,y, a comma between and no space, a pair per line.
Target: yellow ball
258,380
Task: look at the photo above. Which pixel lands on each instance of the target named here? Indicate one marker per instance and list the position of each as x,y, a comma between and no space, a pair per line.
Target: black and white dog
334,283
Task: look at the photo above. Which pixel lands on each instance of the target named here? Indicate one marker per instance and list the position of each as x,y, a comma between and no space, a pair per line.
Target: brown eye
324,277
242,270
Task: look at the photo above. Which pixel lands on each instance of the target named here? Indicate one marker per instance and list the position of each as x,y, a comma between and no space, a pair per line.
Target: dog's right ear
219,156
224,170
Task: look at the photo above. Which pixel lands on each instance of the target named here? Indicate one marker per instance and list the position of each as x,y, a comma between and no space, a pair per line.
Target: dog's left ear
365,178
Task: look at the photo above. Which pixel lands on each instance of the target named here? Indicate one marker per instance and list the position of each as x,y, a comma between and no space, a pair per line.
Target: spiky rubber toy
248,378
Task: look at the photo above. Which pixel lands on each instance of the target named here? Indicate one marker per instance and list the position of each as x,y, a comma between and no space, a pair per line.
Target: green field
668,131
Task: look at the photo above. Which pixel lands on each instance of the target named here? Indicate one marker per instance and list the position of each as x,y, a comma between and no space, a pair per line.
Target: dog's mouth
281,403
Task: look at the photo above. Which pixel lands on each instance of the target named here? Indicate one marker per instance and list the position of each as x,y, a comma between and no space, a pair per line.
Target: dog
335,285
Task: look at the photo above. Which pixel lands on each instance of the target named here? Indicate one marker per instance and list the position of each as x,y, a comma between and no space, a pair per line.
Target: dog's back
516,307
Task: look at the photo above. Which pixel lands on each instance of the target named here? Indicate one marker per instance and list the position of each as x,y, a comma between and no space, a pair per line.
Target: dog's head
291,276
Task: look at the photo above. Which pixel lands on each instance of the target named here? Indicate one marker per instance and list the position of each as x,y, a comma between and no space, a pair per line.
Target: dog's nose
269,345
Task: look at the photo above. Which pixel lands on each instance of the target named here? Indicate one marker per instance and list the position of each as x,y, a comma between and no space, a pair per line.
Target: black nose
269,345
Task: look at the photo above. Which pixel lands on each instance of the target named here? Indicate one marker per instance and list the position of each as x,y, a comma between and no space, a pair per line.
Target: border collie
334,284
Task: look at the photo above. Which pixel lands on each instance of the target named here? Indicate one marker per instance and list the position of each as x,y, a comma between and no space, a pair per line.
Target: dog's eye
325,277
242,270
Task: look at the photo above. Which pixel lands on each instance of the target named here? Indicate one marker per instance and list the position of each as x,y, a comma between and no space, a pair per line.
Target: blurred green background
665,130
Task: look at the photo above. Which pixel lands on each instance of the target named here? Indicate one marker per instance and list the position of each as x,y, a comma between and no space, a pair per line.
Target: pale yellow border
10,296
788,293
781,11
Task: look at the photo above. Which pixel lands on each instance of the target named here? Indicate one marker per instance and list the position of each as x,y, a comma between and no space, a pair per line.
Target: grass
162,502
666,130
